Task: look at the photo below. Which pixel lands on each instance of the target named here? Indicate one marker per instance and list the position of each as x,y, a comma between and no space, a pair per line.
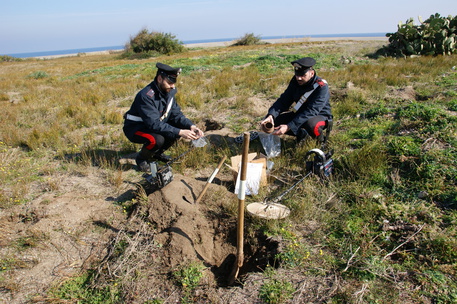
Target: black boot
160,156
142,160
301,135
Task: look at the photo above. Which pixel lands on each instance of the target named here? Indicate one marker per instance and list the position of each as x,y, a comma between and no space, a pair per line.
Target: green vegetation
383,229
81,290
38,75
434,36
188,277
275,290
153,44
248,39
8,58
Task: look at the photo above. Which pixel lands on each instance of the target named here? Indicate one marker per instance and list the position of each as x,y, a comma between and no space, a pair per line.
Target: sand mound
189,231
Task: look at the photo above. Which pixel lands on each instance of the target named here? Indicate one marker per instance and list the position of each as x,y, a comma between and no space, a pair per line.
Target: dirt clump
169,231
191,232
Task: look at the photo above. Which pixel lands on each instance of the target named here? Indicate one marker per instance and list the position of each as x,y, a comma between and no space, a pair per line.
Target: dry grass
63,118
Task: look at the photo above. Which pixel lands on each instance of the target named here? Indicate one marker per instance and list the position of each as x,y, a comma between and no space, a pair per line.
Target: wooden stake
210,179
241,196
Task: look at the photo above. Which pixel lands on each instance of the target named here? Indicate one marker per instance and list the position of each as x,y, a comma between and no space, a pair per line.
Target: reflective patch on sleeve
321,82
150,93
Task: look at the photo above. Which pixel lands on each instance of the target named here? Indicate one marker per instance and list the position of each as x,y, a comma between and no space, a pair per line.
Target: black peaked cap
168,71
305,62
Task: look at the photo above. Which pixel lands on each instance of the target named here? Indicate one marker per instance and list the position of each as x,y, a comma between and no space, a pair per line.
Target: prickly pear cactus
434,36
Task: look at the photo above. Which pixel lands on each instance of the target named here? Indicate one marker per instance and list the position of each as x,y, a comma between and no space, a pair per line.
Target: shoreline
224,43
289,40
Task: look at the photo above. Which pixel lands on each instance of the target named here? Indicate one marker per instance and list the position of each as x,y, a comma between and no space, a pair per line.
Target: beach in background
206,44
286,40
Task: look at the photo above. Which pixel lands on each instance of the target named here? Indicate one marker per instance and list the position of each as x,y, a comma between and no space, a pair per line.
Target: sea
121,47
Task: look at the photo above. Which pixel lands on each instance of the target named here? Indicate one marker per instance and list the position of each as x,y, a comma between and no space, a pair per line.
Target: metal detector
159,177
321,165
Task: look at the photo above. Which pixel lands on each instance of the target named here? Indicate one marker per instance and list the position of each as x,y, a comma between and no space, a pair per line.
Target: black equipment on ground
159,178
321,165
162,176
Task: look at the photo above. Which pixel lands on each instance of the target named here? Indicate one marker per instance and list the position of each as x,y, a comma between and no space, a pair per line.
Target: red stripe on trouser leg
152,140
317,126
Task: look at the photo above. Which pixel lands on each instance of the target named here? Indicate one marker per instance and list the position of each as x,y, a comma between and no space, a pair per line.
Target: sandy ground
226,43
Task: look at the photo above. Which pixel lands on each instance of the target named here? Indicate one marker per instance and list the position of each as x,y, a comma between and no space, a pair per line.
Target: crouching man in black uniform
156,120
312,108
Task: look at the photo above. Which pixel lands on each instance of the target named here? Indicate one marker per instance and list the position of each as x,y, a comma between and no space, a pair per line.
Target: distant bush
249,39
38,75
154,42
434,36
7,58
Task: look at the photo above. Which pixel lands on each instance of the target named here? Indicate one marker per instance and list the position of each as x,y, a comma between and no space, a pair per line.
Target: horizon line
208,40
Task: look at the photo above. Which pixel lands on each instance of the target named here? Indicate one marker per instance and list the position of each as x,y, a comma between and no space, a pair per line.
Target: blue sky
47,25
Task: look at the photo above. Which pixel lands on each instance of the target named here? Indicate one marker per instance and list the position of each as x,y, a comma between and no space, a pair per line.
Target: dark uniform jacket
316,104
150,104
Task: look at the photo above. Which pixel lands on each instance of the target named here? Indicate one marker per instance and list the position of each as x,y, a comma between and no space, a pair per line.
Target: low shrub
155,42
248,39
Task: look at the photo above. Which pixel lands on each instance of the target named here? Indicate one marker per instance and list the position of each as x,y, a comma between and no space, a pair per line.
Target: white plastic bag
271,144
253,177
199,143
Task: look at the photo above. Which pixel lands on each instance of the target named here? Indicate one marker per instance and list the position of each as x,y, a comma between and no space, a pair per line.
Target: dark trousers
152,142
313,126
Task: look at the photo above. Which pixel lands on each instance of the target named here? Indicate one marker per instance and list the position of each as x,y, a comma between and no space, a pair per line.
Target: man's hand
281,129
193,133
197,131
269,118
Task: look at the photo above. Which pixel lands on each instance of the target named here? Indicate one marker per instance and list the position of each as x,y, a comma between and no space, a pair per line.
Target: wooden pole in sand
241,196
210,179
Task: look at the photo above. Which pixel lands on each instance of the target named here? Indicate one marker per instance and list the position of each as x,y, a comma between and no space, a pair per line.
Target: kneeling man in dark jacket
309,95
156,120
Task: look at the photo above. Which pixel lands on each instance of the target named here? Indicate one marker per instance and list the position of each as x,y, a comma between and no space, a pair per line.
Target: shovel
210,179
241,196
